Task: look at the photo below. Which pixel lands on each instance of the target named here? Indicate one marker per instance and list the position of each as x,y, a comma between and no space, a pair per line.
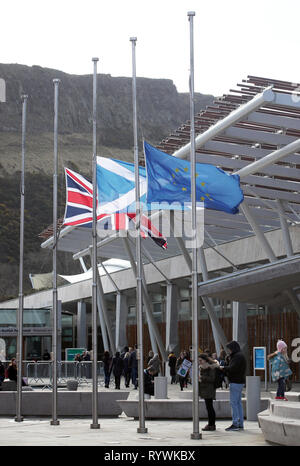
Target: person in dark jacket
126,369
172,365
207,389
154,363
133,365
117,369
235,370
12,372
106,366
148,381
183,380
2,372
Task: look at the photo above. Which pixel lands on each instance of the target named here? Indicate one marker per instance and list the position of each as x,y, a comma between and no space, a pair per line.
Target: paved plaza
122,431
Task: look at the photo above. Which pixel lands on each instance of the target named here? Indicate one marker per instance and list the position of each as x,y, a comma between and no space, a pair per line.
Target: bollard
160,388
252,397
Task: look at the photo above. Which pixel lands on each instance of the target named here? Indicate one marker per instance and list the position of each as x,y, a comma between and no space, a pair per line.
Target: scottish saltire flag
169,181
79,211
116,186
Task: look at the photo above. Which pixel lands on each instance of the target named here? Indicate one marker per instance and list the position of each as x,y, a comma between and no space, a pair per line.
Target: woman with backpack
207,389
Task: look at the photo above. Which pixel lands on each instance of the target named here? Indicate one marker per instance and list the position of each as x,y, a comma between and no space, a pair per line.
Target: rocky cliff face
160,107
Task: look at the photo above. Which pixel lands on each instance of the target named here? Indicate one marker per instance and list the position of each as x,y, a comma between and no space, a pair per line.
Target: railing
39,373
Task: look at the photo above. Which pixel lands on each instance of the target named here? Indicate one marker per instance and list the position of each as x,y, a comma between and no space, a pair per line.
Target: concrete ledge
291,396
280,423
220,395
69,403
180,409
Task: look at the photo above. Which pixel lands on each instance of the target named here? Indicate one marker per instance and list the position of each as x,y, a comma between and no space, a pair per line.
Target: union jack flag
79,211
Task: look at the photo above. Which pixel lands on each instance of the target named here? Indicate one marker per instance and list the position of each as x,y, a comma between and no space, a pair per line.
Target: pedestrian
78,357
183,379
150,356
86,358
107,361
148,381
154,363
280,368
46,355
125,350
133,365
207,389
172,365
222,362
12,372
235,370
117,369
126,369
2,372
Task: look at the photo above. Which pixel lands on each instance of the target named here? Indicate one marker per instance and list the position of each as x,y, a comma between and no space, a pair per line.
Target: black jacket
117,366
236,367
148,383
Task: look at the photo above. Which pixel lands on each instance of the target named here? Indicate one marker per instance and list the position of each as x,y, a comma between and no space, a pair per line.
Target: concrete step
285,409
220,395
291,396
180,409
69,403
278,430
280,423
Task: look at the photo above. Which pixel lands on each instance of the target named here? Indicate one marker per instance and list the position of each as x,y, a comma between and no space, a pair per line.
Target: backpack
219,377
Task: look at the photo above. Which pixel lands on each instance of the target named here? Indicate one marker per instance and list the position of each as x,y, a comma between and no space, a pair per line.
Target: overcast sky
232,38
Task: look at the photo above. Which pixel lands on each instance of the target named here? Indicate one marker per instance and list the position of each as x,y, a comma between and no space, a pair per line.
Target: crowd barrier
39,373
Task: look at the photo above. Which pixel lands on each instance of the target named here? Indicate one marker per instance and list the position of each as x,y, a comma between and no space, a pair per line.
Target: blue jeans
236,403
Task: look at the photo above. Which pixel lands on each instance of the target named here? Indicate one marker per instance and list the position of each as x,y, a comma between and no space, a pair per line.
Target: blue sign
259,356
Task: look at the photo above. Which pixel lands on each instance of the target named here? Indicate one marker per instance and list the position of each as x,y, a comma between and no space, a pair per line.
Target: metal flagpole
19,417
195,345
95,424
139,301
54,421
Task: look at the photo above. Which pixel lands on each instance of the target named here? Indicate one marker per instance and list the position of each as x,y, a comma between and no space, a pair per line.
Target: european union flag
169,181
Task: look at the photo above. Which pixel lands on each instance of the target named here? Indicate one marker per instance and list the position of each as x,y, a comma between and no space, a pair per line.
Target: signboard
71,353
260,361
27,331
259,358
184,368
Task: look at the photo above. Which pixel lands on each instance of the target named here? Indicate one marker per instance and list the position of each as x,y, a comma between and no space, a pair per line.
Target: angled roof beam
260,99
269,159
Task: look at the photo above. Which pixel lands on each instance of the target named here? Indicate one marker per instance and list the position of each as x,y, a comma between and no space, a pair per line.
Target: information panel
259,358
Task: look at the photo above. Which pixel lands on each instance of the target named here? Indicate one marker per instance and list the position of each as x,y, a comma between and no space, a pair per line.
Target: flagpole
19,417
139,302
95,424
55,421
195,344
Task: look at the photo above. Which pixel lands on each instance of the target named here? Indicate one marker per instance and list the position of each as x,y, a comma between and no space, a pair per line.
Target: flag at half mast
79,210
169,182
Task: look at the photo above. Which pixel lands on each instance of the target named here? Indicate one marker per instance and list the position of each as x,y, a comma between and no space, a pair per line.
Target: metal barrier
40,372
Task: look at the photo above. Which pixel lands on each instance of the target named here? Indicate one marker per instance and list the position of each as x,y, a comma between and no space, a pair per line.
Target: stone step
278,430
69,403
180,409
291,396
220,395
285,409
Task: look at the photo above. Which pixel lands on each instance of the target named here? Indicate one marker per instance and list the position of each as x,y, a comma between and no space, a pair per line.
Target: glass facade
37,333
